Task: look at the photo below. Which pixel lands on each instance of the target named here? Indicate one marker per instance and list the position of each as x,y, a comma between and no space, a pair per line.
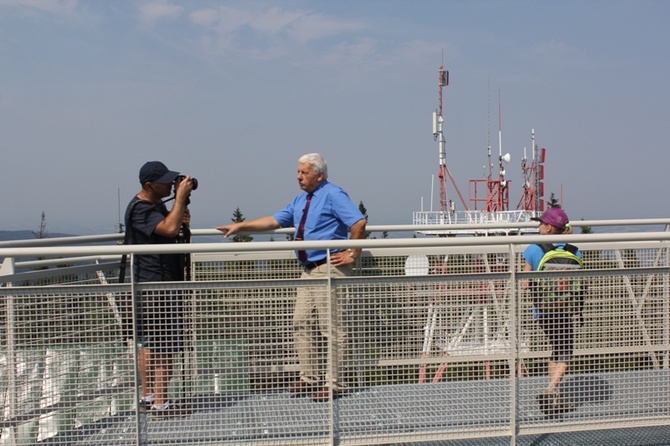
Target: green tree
42,231
364,211
586,229
553,201
237,218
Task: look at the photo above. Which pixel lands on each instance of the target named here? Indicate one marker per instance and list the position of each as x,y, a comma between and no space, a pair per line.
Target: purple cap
156,171
555,217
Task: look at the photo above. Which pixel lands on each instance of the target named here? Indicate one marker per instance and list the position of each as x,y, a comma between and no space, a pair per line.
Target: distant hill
26,235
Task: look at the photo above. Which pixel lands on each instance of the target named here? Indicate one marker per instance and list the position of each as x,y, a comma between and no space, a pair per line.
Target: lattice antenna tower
446,205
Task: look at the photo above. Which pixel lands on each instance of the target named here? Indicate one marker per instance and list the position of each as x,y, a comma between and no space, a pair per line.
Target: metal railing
441,343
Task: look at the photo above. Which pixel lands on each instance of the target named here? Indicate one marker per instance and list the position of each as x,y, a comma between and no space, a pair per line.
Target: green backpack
559,294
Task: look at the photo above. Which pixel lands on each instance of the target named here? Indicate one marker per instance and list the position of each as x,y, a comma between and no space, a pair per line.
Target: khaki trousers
317,318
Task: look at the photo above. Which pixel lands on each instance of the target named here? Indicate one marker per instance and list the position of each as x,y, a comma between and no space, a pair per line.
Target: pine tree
364,211
586,229
553,201
237,218
42,232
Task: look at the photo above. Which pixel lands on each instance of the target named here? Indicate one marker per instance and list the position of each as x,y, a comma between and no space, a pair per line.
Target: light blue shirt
331,214
534,253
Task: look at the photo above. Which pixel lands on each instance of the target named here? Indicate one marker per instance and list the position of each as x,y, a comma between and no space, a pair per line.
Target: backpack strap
127,240
128,237
546,247
571,248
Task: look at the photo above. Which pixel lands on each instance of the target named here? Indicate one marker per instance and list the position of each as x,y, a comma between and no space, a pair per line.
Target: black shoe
301,388
172,411
146,403
553,403
323,394
546,402
561,405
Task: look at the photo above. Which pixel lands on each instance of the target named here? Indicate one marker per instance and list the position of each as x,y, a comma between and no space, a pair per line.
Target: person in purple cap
148,221
557,324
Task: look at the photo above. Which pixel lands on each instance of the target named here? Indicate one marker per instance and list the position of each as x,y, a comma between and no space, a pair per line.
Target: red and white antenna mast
533,186
446,205
497,190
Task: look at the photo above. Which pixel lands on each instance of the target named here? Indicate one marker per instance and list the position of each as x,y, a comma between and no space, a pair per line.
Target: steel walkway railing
441,343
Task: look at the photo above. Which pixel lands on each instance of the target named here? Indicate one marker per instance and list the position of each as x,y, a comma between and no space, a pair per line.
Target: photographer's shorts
162,321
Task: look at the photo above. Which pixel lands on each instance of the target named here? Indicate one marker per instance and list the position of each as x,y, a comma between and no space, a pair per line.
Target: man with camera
148,221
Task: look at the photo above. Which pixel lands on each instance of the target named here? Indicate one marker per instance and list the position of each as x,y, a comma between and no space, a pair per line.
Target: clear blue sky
233,92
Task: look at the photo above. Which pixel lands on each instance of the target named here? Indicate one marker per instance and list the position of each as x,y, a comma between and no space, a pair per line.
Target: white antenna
499,126
488,136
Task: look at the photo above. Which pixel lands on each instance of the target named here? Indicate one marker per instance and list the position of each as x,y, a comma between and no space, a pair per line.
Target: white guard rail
440,343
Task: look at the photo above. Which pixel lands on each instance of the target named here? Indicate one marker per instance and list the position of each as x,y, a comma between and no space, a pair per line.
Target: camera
194,182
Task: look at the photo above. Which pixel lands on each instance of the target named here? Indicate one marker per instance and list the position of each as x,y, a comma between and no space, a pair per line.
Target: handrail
118,237
242,302
183,248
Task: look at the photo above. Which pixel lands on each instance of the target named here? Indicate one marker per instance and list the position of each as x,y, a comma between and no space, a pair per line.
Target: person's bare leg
162,374
144,361
557,371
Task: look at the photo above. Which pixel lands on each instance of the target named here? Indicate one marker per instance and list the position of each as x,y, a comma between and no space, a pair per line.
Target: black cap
156,171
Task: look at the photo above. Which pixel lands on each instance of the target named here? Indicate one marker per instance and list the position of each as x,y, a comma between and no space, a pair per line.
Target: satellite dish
506,157
417,266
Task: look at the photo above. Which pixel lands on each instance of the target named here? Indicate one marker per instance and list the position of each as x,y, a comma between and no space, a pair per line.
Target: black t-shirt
141,224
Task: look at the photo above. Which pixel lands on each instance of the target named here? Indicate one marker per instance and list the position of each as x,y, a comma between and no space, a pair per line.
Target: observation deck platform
418,411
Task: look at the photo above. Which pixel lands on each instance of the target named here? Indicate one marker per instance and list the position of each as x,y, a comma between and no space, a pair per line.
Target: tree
237,218
364,211
42,232
553,201
586,229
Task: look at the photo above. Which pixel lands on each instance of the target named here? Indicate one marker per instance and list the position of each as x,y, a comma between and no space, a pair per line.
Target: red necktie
302,255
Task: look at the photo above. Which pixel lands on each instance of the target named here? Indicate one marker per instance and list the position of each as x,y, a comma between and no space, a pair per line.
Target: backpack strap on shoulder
571,248
128,239
546,247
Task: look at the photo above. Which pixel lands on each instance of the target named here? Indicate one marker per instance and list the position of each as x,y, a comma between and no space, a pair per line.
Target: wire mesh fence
417,345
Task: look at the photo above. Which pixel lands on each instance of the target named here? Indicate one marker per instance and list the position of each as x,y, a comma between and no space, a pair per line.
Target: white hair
317,162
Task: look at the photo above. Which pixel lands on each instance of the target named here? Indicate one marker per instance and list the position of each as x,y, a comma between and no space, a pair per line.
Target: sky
234,92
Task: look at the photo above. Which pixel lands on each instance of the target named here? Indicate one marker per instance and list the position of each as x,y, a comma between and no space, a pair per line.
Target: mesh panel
436,349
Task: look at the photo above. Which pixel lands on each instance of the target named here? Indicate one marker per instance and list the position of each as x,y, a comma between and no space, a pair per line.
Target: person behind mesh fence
148,221
557,322
322,212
